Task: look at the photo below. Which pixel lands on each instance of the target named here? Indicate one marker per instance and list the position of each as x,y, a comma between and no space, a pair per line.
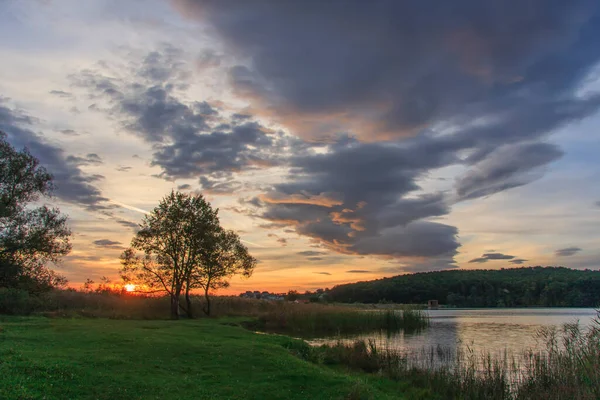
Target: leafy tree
222,257
511,287
30,236
182,247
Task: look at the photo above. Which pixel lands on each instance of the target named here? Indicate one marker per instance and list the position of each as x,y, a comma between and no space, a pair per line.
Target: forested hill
514,287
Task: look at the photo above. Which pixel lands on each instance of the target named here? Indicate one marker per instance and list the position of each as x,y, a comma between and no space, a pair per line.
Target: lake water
479,330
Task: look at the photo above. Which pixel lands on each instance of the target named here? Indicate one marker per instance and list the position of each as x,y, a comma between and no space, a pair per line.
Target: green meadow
59,358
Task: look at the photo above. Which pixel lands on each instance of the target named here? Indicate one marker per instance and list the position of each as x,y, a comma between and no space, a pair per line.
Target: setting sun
130,287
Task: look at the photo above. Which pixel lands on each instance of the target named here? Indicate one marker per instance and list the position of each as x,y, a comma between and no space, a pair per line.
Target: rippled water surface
489,330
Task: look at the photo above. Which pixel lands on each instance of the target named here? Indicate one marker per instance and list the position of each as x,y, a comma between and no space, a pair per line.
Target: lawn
53,358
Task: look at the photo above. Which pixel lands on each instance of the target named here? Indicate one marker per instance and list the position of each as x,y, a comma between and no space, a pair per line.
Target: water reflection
495,331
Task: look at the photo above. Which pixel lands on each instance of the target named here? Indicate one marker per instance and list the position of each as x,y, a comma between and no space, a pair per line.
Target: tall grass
311,320
567,368
283,317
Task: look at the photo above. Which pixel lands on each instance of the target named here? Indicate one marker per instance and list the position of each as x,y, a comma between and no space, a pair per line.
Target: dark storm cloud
495,256
72,184
354,199
505,168
107,243
567,252
479,84
402,66
189,139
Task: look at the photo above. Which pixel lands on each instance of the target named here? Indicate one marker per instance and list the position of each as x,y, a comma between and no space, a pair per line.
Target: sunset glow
367,147
129,287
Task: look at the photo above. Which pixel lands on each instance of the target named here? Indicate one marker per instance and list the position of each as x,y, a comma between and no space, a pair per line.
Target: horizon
427,142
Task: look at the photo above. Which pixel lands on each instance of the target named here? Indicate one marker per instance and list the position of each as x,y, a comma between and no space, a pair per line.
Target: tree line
511,287
180,246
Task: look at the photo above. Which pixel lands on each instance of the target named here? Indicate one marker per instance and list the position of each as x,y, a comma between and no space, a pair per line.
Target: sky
343,140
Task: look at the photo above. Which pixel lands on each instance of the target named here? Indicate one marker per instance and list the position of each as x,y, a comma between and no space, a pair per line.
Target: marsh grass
567,368
307,320
312,320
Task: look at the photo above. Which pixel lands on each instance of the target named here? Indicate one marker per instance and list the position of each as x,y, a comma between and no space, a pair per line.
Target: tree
30,236
222,257
183,247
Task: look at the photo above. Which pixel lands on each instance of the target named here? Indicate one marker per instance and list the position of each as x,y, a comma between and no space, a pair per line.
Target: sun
130,287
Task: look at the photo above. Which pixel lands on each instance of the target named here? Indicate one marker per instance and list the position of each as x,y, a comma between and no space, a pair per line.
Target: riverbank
56,358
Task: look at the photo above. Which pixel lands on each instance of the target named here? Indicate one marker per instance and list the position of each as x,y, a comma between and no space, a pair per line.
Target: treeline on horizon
512,287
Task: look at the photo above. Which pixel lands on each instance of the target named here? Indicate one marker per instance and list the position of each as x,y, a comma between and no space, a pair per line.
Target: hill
513,287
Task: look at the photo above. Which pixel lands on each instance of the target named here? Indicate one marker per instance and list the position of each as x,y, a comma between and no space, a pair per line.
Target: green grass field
44,358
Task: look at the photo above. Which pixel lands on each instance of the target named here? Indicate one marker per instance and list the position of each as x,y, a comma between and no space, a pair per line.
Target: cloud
495,256
107,243
315,258
72,184
123,168
518,261
567,252
69,132
311,253
322,273
89,159
500,59
185,186
191,139
479,260
60,93
354,198
358,271
507,167
128,224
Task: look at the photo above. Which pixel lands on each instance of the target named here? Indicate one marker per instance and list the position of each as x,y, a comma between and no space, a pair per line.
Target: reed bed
567,368
312,320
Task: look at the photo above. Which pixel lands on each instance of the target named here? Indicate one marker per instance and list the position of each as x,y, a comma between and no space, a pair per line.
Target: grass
311,320
568,368
284,317
43,358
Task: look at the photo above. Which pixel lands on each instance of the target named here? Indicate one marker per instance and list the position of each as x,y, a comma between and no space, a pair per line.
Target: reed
311,320
567,368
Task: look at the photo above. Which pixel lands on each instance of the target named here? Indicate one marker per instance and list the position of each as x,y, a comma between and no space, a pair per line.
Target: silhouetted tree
30,236
181,247
222,257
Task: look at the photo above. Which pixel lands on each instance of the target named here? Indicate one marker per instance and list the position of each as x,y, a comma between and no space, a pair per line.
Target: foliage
184,247
220,259
196,359
516,287
30,236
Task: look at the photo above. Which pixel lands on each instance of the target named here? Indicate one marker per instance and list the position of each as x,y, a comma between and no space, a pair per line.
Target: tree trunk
174,305
207,308
188,302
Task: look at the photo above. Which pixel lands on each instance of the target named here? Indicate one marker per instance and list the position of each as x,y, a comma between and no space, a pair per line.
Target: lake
479,330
